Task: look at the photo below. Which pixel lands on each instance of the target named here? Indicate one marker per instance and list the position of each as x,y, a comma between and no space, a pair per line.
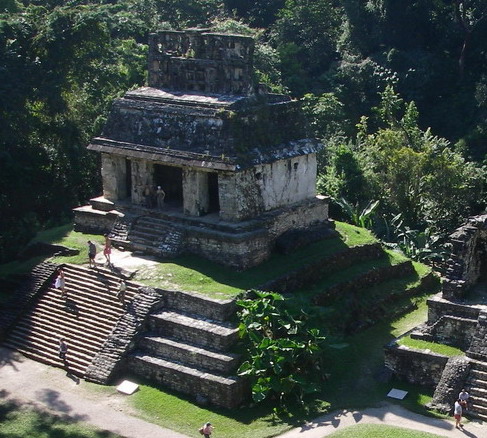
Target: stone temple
234,161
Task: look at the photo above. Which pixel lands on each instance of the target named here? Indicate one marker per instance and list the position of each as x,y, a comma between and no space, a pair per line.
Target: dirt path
389,414
26,381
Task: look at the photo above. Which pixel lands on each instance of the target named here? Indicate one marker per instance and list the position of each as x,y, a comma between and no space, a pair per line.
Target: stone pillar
142,174
228,201
196,196
113,173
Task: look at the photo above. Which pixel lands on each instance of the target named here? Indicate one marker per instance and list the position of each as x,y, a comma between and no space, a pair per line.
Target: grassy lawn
380,431
175,413
23,422
418,344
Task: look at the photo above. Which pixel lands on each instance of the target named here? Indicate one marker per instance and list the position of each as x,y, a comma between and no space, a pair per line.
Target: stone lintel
167,156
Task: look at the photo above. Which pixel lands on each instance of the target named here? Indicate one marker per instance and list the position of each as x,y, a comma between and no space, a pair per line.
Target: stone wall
438,307
315,271
265,187
368,279
197,304
88,220
467,262
451,383
247,249
114,177
450,330
415,366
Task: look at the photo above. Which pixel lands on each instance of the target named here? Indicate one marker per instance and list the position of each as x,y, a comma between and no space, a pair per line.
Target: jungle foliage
397,92
284,356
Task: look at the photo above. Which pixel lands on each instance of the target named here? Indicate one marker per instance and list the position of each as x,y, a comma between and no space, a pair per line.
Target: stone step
49,348
476,383
75,366
477,365
152,228
170,349
85,313
83,295
50,325
227,392
91,333
78,292
49,342
99,278
477,393
478,406
84,319
197,304
477,374
187,328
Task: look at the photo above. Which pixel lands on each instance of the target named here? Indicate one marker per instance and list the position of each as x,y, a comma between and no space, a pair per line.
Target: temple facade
234,162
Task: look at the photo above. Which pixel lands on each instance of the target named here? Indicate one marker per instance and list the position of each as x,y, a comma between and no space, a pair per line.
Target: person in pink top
207,430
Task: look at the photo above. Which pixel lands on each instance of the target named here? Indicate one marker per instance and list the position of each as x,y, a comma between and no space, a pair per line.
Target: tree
468,14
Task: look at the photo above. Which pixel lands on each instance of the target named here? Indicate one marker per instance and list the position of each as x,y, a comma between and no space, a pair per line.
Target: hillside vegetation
396,93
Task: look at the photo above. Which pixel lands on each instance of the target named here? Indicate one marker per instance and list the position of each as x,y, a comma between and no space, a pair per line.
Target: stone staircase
155,236
187,349
121,228
84,319
476,386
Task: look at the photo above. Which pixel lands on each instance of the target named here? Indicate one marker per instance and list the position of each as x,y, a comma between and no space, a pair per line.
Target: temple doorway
170,178
213,194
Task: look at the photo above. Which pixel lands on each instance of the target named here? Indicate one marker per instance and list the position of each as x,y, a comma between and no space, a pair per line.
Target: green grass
176,413
192,273
380,431
21,422
355,366
418,344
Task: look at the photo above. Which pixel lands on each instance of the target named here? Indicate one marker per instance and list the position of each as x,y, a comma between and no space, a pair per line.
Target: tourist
207,429
457,413
60,282
463,397
160,195
91,253
63,349
122,288
108,249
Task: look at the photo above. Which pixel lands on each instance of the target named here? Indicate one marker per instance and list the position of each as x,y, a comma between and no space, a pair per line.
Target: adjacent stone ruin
235,162
457,316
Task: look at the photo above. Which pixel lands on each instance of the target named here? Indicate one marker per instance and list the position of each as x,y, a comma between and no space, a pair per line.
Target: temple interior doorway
170,178
128,178
214,197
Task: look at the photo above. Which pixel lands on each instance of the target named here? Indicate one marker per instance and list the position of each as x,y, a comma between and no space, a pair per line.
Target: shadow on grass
20,420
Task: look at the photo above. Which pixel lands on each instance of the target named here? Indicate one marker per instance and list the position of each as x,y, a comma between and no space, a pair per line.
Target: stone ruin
457,316
235,162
